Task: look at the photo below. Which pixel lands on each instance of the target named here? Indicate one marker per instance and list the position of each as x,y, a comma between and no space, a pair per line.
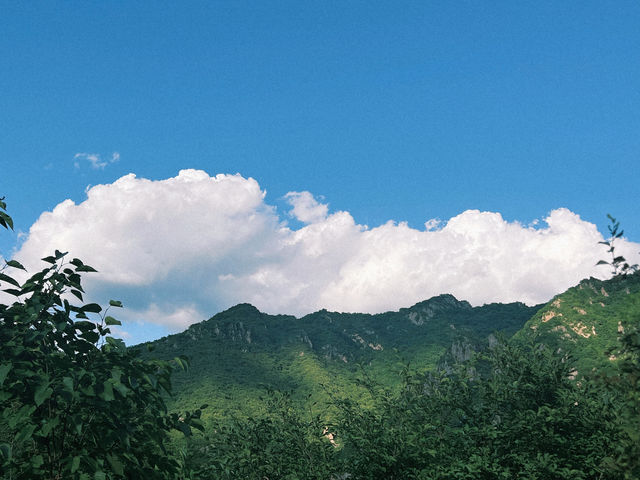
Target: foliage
584,321
75,403
624,382
280,444
525,420
618,263
238,352
522,418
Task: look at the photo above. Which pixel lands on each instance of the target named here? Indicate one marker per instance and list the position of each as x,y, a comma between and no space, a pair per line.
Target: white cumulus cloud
306,209
177,251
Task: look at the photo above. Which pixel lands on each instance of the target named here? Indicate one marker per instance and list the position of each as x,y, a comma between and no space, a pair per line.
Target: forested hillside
587,320
240,353
461,403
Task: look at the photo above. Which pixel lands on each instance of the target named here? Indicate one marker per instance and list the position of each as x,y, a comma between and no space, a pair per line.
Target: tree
280,444
627,384
522,418
622,380
75,402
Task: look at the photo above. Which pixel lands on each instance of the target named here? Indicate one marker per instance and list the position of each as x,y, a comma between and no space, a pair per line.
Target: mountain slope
586,320
238,353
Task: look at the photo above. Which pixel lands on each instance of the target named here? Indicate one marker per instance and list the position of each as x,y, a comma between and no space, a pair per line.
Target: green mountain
586,320
239,353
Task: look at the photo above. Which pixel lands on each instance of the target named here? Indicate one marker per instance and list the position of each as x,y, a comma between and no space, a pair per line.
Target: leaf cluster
618,263
75,403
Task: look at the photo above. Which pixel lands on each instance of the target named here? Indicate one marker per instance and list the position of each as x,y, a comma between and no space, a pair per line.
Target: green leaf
68,383
91,336
197,423
42,393
122,389
111,321
84,325
116,343
49,259
91,308
116,464
151,378
181,363
6,220
25,433
85,268
8,279
18,417
76,421
76,262
75,464
5,451
77,293
184,428
48,426
13,291
107,395
16,264
4,370
115,303
88,391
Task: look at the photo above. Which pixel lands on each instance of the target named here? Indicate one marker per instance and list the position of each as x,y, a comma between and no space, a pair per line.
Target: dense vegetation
238,352
510,412
429,392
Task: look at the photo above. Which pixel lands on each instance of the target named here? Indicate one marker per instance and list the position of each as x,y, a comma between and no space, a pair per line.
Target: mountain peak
423,311
444,301
243,308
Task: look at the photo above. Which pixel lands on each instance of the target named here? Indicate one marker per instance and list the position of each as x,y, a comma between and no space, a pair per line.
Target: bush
75,403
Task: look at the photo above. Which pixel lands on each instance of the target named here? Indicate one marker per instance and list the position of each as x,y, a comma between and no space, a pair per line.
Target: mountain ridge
237,353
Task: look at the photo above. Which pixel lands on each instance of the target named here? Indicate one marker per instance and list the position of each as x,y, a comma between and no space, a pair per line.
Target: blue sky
402,111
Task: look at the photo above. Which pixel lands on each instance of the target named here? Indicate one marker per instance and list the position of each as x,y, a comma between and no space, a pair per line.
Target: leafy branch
75,402
618,263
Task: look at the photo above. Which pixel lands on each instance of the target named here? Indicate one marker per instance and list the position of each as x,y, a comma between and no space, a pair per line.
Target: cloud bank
176,251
